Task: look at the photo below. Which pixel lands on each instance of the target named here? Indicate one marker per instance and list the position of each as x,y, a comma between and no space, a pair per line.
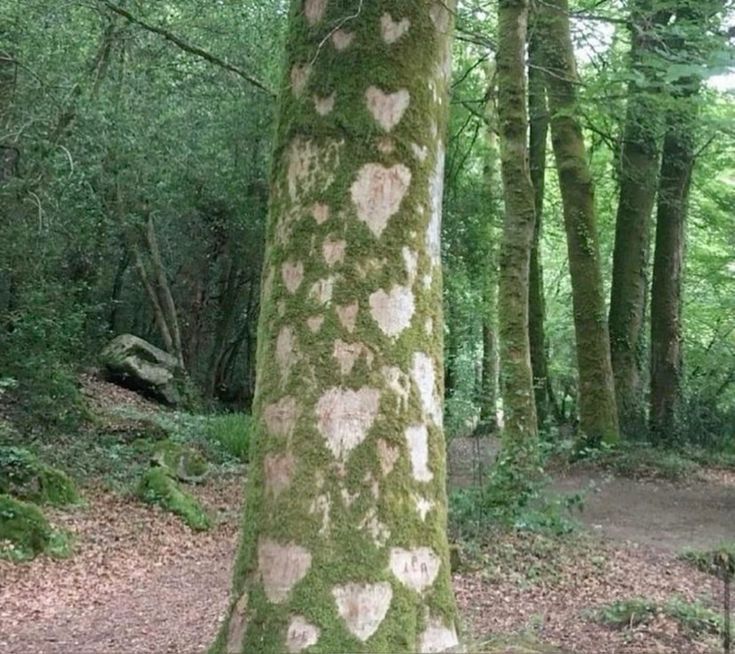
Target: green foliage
626,613
511,498
719,561
25,532
231,432
25,477
693,616
158,487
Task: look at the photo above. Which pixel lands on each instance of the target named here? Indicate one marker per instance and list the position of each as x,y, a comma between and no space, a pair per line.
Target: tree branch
191,49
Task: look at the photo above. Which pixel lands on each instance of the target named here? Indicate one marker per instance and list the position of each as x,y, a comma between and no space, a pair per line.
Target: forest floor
140,582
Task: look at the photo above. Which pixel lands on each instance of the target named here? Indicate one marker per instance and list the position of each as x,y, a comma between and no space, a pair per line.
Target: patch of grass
27,478
719,561
693,617
25,532
158,487
231,431
626,613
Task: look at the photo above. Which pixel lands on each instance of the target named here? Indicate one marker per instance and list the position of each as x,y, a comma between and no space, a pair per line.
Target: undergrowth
693,617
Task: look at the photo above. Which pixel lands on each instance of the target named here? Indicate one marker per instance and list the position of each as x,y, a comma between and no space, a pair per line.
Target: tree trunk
494,211
520,426
638,178
538,130
677,162
344,547
598,413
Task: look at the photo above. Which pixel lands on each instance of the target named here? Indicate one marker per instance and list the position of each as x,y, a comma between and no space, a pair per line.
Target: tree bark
538,113
494,211
639,160
677,162
598,413
344,546
520,425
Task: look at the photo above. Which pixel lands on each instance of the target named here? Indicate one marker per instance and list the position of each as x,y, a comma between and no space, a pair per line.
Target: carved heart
344,418
377,194
392,311
393,30
387,108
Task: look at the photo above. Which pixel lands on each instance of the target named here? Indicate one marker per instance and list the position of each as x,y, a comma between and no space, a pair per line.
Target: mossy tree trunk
638,167
668,265
493,198
688,44
344,546
598,413
520,431
538,113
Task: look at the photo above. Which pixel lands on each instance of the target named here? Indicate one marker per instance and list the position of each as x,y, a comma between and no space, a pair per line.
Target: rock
24,476
131,362
182,462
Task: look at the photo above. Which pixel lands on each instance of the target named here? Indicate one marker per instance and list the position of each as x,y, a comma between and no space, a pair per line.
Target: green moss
179,461
25,477
25,532
157,487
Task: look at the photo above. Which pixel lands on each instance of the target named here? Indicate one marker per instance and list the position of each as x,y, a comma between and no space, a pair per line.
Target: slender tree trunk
638,179
538,113
494,211
677,163
520,425
344,546
598,413
163,289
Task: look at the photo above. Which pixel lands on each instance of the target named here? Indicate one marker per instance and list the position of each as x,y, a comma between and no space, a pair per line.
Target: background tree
597,412
638,171
520,428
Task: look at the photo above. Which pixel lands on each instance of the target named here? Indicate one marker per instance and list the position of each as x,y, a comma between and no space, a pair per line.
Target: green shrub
511,498
231,431
25,477
25,532
158,487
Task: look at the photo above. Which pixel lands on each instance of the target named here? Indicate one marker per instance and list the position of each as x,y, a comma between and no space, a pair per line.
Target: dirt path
670,516
665,515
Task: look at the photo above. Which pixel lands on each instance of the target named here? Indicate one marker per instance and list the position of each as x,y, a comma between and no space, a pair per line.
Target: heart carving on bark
387,108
